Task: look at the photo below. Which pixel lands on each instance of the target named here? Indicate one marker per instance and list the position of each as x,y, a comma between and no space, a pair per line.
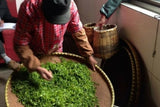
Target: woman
41,28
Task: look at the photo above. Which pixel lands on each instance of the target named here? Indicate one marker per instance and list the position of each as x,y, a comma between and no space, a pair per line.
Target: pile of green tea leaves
71,86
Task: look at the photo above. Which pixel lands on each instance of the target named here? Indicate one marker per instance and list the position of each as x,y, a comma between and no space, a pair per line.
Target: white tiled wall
156,64
155,88
155,78
142,33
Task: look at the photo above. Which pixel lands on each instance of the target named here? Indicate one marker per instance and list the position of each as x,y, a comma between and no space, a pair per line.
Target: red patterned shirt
33,29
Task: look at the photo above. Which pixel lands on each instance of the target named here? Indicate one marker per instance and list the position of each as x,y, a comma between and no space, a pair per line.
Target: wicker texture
105,41
104,91
89,28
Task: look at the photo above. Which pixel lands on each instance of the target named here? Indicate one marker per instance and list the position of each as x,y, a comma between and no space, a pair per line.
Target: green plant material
71,86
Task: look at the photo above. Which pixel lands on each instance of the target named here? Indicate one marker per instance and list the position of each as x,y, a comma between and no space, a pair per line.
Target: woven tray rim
76,56
136,75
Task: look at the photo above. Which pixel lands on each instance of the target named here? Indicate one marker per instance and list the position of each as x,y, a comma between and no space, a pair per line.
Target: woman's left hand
92,62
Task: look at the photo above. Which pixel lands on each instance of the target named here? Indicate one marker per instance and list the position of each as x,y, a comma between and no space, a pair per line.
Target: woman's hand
92,62
103,20
45,74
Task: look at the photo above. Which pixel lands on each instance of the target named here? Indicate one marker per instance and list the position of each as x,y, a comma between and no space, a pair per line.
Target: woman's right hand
102,21
45,74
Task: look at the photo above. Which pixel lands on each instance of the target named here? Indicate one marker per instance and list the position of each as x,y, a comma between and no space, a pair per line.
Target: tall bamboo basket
104,89
89,28
105,41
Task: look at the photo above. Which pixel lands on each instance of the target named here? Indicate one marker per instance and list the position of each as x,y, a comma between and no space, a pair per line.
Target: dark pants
1,48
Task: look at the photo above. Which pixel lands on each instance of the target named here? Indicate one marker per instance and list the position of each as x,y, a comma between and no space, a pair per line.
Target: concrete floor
5,72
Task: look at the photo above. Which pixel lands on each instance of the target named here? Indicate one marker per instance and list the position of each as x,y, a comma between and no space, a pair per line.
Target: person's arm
31,62
22,39
84,47
107,10
109,7
80,37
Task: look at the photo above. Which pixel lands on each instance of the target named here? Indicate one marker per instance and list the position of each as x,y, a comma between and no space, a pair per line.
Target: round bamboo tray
104,91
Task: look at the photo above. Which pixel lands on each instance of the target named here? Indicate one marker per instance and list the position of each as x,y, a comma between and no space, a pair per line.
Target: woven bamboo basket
105,41
89,28
104,91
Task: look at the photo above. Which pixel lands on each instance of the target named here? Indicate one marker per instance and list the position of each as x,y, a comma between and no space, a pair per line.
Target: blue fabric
110,6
